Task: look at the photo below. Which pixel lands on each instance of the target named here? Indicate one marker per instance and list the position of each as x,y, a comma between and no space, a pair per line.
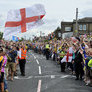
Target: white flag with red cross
22,20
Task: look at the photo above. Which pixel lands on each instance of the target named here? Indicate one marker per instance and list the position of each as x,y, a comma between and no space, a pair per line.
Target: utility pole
76,33
40,33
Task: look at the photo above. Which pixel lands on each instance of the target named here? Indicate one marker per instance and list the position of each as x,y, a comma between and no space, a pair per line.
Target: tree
1,35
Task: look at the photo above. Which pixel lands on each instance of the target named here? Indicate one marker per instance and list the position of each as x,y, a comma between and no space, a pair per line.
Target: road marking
38,64
40,70
37,61
39,86
52,76
34,56
65,76
45,76
22,78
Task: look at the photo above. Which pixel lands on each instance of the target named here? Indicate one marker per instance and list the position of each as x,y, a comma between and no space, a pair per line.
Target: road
44,76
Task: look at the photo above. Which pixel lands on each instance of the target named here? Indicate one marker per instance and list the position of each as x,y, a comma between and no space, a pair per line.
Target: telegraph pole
77,32
40,33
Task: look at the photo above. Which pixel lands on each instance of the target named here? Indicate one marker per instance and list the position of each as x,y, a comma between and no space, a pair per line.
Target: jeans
5,84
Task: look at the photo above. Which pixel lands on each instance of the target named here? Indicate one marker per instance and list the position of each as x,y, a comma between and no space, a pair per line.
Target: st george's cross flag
22,20
68,57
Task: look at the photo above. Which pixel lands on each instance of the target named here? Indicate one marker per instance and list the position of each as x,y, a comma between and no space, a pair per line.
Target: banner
15,38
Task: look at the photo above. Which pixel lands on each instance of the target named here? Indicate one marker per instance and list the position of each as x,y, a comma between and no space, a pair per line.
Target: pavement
44,76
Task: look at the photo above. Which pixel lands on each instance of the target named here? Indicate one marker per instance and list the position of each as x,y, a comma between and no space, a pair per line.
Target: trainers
87,82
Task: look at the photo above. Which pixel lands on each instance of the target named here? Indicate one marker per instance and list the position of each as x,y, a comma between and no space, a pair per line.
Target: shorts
6,72
2,77
11,66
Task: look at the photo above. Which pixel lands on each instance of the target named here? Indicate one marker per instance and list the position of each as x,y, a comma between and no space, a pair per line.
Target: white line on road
65,76
45,76
39,86
37,61
22,78
40,70
34,56
52,76
38,64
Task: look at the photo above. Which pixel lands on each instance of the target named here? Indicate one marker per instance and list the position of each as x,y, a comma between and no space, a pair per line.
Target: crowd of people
11,55
74,53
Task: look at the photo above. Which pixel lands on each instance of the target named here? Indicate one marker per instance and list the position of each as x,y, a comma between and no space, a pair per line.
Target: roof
86,19
67,23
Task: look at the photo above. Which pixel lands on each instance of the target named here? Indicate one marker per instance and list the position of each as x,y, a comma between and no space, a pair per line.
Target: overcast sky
56,11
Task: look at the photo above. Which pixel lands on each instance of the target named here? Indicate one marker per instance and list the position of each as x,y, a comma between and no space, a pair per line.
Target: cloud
2,22
87,13
88,2
56,11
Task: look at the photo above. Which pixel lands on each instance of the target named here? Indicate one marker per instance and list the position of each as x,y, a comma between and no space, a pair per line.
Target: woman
1,73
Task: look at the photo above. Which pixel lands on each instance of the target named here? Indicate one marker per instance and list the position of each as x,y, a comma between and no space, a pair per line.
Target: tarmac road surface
44,76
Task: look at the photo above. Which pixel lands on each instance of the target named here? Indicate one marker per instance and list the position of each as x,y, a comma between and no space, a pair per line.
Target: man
47,51
78,60
22,60
11,61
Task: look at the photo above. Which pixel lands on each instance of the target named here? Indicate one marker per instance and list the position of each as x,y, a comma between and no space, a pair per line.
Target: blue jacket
13,55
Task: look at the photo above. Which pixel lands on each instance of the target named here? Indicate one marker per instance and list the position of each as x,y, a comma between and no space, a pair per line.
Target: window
59,34
82,27
67,28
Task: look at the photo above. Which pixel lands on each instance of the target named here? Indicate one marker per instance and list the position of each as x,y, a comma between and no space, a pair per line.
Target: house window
59,34
82,27
67,28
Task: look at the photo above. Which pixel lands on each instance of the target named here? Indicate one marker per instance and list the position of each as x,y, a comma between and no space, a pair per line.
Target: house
66,29
84,27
